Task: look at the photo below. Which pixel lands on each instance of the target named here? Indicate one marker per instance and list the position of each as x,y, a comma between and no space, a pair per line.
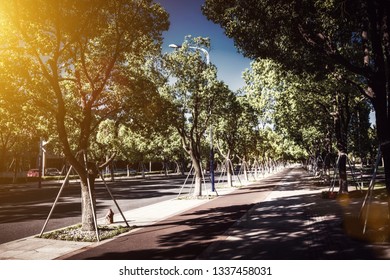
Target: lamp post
41,160
212,179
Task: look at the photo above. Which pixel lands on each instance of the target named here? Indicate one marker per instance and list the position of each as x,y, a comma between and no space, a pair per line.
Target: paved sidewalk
32,248
295,223
281,216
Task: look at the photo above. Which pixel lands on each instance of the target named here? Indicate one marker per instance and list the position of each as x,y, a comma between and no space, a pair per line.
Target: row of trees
319,115
90,76
336,47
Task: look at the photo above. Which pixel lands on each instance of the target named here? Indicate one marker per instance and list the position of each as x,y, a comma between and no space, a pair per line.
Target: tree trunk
16,167
386,159
383,132
341,120
343,180
165,165
2,159
327,163
385,149
246,172
198,176
379,79
142,167
87,174
229,173
87,211
255,164
380,100
178,168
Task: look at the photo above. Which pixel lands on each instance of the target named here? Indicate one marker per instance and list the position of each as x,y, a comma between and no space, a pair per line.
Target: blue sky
186,18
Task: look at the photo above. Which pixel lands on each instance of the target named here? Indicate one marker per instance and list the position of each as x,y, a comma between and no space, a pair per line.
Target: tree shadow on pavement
296,227
184,236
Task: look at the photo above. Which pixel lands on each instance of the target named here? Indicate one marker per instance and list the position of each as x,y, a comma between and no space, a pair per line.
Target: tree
166,147
192,91
229,126
319,36
248,134
81,61
9,126
18,137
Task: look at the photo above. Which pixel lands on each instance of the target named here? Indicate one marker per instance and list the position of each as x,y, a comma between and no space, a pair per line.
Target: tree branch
323,44
104,165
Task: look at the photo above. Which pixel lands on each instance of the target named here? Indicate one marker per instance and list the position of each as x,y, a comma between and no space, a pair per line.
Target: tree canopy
80,62
347,38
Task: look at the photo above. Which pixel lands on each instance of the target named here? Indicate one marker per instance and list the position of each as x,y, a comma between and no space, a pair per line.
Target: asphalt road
24,208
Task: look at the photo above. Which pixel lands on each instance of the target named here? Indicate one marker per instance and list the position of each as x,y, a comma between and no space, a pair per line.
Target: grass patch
196,197
74,233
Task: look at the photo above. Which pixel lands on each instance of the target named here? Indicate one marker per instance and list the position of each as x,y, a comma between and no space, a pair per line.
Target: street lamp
206,53
41,160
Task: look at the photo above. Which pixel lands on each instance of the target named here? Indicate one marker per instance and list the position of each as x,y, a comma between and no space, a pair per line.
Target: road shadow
181,237
297,227
28,203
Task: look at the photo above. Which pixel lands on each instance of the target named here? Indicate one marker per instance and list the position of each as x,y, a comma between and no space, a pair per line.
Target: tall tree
248,134
85,61
193,91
